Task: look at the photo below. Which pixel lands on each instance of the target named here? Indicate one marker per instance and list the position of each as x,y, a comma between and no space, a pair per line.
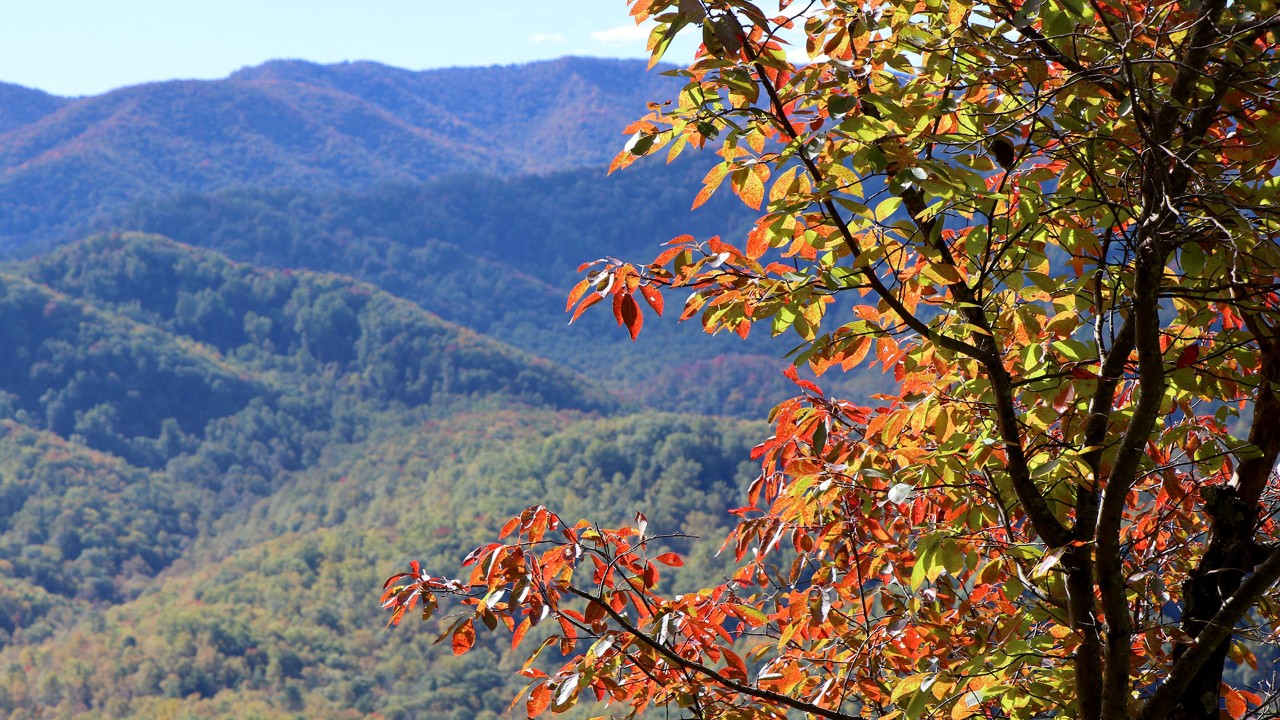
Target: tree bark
1232,552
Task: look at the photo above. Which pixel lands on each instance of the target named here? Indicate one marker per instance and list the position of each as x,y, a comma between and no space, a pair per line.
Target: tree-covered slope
206,467
150,388
498,255
296,124
21,106
272,615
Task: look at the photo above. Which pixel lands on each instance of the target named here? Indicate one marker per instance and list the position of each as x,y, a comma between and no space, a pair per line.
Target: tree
1056,223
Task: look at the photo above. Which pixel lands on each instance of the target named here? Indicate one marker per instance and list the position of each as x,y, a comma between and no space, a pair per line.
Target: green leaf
887,207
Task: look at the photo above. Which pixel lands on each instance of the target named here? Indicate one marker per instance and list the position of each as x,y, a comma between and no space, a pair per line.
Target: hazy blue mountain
301,125
21,106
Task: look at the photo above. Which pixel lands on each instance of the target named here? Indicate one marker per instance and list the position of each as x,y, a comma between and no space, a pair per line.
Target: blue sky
84,47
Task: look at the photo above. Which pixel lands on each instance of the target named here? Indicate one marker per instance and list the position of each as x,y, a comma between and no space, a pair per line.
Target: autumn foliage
1055,224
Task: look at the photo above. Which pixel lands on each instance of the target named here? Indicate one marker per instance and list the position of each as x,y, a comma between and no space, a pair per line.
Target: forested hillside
21,106
197,383
205,467
270,615
497,256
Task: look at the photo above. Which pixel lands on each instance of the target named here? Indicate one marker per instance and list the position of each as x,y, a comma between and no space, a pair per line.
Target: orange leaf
653,297
463,638
668,255
576,294
519,632
592,299
509,527
702,197
757,242
670,559
539,699
749,188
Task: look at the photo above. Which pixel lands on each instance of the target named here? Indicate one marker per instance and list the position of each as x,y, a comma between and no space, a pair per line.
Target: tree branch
705,671
1218,630
986,351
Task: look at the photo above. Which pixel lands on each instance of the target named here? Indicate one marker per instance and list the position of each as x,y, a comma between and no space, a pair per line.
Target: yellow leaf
965,705
906,685
940,273
1060,632
749,187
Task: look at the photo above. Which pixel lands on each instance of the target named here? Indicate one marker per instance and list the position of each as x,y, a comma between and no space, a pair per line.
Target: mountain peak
23,105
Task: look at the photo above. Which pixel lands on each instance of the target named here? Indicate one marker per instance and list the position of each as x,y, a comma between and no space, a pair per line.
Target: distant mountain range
474,192
295,124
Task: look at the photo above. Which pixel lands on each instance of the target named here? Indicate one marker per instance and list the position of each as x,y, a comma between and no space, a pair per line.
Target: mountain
498,254
300,125
206,467
474,192
493,254
194,385
22,106
339,345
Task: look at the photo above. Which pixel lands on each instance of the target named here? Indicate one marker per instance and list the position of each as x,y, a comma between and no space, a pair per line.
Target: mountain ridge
310,126
20,105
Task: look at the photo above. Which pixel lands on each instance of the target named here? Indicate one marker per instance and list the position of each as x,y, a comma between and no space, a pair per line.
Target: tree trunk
1232,552
1218,576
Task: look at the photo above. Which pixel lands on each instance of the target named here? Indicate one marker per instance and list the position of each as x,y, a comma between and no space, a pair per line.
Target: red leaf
1189,355
731,660
670,559
1236,705
653,297
650,575
1082,373
393,578
617,306
791,374
629,315
539,699
1064,398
